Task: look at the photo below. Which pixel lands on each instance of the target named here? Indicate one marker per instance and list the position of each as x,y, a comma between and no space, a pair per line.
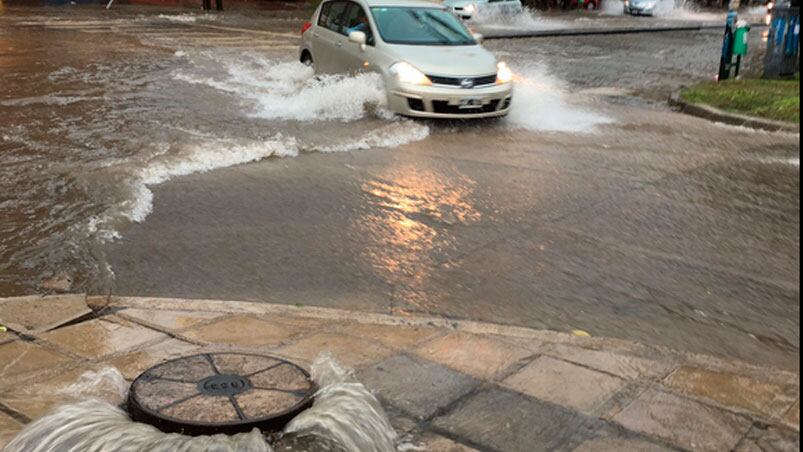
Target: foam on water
394,134
292,91
345,411
345,417
200,157
185,18
541,103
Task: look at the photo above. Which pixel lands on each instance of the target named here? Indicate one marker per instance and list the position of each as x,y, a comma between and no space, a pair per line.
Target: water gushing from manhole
345,416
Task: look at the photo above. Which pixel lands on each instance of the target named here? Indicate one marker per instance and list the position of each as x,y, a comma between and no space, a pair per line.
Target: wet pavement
445,385
162,154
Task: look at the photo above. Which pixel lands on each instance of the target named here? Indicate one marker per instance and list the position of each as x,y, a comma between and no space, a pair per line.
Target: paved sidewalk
449,385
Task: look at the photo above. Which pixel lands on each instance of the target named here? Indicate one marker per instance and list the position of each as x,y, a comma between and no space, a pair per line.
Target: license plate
471,102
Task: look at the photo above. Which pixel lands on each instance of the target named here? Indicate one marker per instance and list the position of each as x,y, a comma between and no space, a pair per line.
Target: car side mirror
359,37
478,37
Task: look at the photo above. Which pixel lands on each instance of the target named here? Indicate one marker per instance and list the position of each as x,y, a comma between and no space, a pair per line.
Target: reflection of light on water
404,229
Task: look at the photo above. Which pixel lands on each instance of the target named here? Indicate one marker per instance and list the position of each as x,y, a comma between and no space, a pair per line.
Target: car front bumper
639,10
451,102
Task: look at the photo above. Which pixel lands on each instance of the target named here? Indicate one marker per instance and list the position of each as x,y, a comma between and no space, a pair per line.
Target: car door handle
316,35
340,44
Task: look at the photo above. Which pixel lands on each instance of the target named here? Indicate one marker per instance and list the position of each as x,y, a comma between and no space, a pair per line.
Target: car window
324,13
421,26
357,20
332,16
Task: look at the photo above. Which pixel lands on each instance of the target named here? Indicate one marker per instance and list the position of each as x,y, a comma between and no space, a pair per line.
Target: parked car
431,64
640,7
468,9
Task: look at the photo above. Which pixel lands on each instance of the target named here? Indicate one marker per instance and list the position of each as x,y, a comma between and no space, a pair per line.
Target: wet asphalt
656,227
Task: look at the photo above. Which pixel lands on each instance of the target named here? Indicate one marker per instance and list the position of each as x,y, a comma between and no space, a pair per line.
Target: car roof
410,3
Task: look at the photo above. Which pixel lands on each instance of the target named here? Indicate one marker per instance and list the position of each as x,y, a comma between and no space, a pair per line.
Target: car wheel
306,59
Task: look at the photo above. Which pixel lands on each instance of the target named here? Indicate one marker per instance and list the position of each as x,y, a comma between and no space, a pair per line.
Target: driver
360,25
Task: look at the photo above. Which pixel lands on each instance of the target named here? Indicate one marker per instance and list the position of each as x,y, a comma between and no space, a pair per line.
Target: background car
640,7
469,9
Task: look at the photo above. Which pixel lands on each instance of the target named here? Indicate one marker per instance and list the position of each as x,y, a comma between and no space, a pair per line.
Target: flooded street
160,153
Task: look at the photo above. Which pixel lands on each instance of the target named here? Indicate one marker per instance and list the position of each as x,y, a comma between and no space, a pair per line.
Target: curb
263,309
607,31
717,115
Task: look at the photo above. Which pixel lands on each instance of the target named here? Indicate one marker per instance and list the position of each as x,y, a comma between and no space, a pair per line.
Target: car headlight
407,73
503,74
470,8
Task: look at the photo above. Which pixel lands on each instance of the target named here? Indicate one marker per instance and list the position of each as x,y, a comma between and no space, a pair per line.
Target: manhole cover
220,393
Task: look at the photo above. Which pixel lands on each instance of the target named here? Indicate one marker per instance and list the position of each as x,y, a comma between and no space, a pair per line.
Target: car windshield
421,26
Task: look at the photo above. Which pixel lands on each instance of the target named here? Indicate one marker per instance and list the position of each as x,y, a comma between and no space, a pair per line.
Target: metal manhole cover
220,393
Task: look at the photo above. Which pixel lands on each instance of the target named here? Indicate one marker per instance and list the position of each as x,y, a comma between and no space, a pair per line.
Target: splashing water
345,411
526,20
345,417
292,91
612,8
541,103
666,9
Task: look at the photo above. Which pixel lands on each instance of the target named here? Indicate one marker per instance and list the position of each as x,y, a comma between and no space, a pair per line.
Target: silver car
432,66
640,7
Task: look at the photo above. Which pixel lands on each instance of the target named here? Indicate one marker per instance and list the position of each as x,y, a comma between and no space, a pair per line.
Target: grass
771,99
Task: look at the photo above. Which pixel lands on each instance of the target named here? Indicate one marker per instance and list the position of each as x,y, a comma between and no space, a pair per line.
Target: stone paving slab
738,392
621,365
173,321
621,443
505,420
18,358
30,315
448,385
242,331
99,338
437,443
770,439
8,428
420,388
134,363
684,422
6,336
565,384
349,350
478,356
792,417
43,393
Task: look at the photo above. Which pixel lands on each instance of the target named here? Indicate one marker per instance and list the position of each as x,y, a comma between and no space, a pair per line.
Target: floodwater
158,152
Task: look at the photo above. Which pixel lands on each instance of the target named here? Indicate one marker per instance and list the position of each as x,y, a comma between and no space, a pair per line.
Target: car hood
456,61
